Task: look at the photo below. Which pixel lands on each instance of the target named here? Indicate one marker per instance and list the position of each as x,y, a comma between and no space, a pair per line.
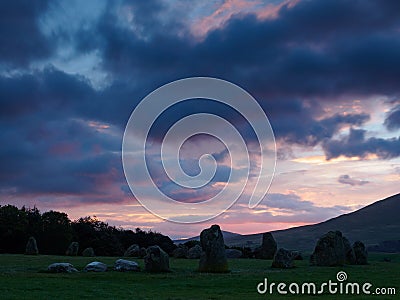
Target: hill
372,224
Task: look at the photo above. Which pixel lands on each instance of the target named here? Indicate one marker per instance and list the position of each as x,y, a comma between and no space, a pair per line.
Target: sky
326,73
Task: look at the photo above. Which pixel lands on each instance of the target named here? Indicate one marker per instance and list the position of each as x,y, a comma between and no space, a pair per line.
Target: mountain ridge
372,224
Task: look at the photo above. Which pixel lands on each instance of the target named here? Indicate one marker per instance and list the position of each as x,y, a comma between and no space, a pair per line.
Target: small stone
96,266
123,265
61,268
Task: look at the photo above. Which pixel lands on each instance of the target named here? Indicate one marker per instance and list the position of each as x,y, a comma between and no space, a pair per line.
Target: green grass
20,278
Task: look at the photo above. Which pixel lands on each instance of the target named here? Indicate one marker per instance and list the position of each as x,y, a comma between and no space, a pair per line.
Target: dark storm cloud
392,121
21,39
356,145
311,54
316,48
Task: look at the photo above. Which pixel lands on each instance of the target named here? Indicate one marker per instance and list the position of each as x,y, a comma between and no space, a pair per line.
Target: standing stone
72,249
180,252
132,251
31,247
329,251
195,252
349,255
156,260
213,258
283,259
61,268
268,247
360,253
123,265
297,255
142,252
88,252
96,266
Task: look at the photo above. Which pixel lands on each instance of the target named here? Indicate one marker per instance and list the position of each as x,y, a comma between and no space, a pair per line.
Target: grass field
20,278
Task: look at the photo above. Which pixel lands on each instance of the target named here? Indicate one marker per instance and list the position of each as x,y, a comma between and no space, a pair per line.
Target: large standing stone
156,260
233,253
283,259
195,252
88,252
123,265
268,247
360,253
132,251
72,249
330,250
96,266
61,268
31,247
213,258
350,258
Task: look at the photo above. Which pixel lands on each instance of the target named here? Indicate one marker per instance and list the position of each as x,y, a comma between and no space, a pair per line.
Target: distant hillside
372,224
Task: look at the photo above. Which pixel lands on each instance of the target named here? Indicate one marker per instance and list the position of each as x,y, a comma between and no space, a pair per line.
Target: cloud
308,56
21,39
356,145
346,179
392,121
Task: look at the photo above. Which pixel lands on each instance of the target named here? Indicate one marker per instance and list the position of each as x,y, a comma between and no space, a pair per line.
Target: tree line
54,231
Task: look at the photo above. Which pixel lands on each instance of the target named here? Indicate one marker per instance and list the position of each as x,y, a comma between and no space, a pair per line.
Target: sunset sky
326,73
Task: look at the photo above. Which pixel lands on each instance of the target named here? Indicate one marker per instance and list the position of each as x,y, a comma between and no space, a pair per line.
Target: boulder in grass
73,249
297,255
180,252
195,252
123,265
360,253
283,259
213,258
233,253
268,247
95,266
156,260
88,252
349,255
142,252
31,247
61,268
132,251
330,250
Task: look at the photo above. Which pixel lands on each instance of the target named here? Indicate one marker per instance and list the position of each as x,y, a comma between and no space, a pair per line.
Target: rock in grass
132,251
73,249
213,258
233,253
61,268
123,265
349,255
156,260
360,253
31,247
95,266
195,252
88,252
331,250
180,252
283,259
268,247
